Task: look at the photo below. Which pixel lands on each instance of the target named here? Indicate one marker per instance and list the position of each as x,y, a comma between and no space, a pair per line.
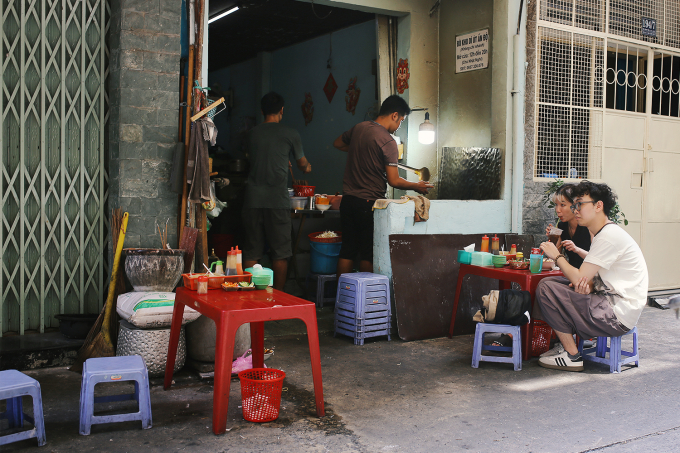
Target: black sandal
505,341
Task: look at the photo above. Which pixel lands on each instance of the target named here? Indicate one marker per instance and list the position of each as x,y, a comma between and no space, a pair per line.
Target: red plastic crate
214,282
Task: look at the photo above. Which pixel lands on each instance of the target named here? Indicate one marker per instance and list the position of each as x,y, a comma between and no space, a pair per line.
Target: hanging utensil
423,173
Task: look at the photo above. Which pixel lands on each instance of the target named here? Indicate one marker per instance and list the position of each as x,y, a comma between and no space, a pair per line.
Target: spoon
423,173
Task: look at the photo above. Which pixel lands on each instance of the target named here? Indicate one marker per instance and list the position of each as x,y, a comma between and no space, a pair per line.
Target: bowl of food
548,264
323,207
261,281
519,264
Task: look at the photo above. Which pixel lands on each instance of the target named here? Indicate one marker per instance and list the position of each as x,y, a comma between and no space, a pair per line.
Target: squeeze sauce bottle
239,262
495,244
485,243
513,249
231,262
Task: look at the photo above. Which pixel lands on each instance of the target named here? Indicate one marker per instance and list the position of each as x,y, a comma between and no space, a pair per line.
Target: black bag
514,308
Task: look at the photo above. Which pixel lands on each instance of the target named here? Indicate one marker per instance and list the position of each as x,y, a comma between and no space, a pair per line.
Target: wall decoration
308,108
402,75
352,98
330,88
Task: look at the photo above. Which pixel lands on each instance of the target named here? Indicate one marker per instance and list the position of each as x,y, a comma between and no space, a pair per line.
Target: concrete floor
397,396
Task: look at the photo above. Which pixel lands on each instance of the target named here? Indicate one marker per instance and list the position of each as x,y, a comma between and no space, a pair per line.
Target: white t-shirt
623,271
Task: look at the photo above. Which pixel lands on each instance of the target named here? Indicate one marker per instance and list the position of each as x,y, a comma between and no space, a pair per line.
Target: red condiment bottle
513,249
239,262
485,243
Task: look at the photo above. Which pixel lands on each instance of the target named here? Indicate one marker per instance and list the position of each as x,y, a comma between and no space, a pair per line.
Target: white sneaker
557,349
562,362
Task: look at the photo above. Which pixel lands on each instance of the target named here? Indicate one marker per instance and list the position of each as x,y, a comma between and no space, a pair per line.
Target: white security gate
608,108
53,227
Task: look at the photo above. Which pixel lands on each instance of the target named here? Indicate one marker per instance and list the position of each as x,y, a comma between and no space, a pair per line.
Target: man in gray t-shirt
371,164
266,212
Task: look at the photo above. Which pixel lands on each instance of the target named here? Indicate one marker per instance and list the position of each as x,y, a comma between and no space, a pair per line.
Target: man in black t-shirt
371,165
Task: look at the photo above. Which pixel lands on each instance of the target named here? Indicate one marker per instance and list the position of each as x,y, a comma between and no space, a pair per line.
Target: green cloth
270,146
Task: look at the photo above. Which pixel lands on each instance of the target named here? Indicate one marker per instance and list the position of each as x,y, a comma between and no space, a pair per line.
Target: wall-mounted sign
648,27
472,51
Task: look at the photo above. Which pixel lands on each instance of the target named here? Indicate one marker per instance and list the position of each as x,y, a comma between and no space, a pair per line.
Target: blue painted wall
301,69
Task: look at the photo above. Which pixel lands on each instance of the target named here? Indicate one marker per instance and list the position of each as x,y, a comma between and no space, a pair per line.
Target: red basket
542,333
261,393
303,191
313,237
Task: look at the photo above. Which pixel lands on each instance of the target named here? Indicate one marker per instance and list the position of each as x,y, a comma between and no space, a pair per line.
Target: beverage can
536,251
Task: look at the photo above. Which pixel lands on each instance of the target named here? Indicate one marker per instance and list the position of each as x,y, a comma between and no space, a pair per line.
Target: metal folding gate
53,223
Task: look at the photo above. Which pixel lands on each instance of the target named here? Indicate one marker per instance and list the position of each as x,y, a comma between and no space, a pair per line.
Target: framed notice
472,51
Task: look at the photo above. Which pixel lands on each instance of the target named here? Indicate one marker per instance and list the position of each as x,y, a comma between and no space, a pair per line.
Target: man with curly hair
606,295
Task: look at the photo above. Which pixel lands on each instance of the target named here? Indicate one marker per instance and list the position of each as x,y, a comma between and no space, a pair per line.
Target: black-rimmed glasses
577,206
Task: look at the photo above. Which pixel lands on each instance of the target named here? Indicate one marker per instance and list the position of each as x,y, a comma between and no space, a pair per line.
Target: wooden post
187,133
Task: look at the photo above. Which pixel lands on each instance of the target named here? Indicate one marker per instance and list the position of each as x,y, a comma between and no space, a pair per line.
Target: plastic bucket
261,393
324,257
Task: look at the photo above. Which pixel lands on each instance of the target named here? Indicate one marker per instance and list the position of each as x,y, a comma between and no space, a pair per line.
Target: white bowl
323,207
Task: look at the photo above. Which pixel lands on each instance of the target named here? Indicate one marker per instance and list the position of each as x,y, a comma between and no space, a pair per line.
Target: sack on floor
151,309
505,307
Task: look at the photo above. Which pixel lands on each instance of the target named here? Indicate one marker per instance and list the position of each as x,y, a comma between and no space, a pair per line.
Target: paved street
397,396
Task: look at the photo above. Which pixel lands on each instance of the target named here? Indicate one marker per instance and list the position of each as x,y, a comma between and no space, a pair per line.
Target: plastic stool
599,351
321,280
14,385
479,345
114,369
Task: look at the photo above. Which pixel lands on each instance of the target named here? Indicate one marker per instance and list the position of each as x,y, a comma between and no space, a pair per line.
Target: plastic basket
303,191
261,393
215,282
540,342
313,237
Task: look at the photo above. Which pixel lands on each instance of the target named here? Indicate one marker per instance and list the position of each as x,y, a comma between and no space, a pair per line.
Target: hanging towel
198,166
209,130
422,213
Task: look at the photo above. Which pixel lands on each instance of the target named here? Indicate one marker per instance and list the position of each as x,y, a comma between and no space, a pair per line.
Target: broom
99,340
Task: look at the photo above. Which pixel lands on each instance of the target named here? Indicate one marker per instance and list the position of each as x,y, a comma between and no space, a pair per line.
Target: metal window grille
53,227
666,85
570,96
626,78
624,18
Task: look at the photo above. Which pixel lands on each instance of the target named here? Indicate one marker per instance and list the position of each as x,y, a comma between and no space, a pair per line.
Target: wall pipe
519,76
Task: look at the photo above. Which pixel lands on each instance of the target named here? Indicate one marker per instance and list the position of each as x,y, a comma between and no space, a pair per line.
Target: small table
506,276
229,310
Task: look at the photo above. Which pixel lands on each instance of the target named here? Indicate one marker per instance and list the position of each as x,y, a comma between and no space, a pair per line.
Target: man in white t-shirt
602,298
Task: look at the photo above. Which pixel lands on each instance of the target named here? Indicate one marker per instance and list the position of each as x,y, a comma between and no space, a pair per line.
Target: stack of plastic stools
479,345
598,353
114,369
13,385
321,280
362,306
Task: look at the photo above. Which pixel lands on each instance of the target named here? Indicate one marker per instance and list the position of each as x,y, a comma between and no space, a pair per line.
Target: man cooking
371,165
266,212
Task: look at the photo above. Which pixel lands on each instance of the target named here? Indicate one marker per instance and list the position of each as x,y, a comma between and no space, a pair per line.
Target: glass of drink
554,235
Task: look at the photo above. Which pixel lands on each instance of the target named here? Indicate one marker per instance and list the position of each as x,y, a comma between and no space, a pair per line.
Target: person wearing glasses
372,157
575,239
606,295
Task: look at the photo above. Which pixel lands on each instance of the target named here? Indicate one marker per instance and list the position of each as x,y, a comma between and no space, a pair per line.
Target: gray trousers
565,310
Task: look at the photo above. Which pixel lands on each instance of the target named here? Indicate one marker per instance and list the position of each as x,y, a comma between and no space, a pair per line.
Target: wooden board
424,274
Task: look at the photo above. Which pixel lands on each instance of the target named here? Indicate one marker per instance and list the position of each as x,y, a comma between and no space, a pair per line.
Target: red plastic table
505,275
230,310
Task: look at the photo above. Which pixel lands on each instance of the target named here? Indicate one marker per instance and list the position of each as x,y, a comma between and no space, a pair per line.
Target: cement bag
151,309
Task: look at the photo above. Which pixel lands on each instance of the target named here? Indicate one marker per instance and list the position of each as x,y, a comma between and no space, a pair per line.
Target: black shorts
356,220
270,225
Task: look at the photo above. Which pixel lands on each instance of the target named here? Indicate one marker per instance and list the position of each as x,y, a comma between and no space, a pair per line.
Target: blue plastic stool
114,369
321,280
479,345
363,306
14,385
617,357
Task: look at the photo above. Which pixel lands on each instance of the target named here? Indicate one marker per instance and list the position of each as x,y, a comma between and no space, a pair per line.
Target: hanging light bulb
426,131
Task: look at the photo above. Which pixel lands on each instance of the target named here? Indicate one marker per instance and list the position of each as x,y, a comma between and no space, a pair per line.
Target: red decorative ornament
352,98
402,75
330,88
308,108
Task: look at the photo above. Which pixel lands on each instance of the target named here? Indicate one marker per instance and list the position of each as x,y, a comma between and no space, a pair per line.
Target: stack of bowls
261,281
498,260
